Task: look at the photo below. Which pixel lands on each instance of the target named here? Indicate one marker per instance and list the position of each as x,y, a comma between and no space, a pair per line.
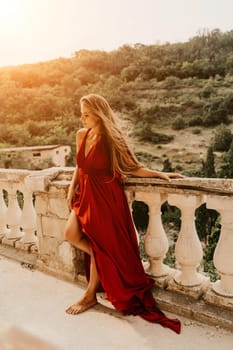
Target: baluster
223,255
188,249
28,220
13,216
156,242
3,210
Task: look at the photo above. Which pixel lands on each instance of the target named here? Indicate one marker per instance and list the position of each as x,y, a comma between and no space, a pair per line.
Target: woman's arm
75,178
145,172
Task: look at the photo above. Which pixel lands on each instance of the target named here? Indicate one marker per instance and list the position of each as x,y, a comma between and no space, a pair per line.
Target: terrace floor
35,302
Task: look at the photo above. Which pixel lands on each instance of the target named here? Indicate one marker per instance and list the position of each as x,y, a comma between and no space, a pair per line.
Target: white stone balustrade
57,256
18,226
187,195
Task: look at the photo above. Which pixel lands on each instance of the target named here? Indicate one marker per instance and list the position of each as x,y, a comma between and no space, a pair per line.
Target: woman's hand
175,175
163,176
144,172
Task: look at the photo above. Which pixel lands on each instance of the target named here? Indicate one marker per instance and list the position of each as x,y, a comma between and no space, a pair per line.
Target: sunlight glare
12,15
8,8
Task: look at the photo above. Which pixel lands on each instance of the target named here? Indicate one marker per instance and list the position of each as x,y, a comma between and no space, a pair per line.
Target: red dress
104,217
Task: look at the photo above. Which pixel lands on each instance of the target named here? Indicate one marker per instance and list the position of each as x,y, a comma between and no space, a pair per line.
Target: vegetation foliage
182,84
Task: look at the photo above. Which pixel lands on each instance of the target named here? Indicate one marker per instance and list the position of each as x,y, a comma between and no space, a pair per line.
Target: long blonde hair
122,158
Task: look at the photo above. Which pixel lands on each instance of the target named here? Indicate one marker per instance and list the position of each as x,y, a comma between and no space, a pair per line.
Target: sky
40,30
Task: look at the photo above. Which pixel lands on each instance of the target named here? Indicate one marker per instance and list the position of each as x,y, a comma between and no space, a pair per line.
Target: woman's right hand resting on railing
145,172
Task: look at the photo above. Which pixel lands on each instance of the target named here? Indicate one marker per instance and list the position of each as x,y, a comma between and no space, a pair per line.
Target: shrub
212,118
170,258
226,170
196,131
212,241
207,90
171,214
228,102
222,138
167,165
205,221
211,270
140,215
178,123
178,167
216,112
145,158
130,73
145,133
195,121
171,82
120,101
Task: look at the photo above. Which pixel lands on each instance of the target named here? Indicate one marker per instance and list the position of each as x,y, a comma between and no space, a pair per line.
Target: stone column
13,216
3,210
223,255
28,222
156,242
188,248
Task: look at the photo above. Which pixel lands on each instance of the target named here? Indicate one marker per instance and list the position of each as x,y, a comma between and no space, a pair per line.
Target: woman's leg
74,235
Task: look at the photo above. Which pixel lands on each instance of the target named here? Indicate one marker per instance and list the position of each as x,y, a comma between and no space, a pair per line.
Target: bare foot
82,305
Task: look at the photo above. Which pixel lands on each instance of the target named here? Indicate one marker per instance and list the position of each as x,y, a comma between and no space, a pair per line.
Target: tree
130,73
222,138
230,161
205,221
227,168
212,240
208,165
167,165
140,215
215,112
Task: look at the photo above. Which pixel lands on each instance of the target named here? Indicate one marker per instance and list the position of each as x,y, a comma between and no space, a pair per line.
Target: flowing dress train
104,217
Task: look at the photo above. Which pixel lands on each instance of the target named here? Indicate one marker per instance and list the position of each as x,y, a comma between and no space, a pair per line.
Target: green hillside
170,98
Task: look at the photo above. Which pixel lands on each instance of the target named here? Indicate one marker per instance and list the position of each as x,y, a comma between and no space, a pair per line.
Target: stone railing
33,213
18,217
188,194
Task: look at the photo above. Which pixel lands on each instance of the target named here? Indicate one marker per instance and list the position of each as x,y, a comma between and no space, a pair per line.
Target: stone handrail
37,226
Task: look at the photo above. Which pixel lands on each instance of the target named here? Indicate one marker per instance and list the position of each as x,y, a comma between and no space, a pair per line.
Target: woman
100,222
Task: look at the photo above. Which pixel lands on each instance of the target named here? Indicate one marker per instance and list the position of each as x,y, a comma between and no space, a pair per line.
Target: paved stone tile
35,302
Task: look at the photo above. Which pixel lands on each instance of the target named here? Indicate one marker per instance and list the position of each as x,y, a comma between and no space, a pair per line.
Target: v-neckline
93,146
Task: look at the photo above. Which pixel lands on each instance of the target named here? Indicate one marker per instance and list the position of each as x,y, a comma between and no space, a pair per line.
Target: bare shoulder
80,134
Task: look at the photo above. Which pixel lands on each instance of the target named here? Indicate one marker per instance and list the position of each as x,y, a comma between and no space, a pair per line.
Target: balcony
33,213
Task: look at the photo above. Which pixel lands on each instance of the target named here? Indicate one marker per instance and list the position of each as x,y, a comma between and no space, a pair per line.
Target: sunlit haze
40,30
